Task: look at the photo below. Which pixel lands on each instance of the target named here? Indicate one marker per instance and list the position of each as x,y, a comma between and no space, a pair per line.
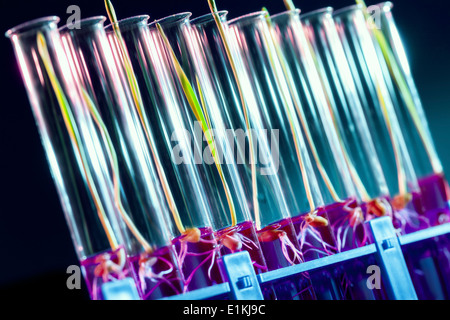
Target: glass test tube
346,110
232,235
432,257
233,92
327,151
196,47
381,119
432,182
138,194
296,174
346,107
174,139
306,44
74,151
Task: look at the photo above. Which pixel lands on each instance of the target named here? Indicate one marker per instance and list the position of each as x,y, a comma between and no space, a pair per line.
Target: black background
35,245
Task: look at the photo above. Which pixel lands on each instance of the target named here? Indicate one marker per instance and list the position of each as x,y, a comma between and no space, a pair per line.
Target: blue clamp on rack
241,276
124,289
390,258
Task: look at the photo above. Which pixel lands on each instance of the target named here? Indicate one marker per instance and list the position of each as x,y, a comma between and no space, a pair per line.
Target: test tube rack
243,284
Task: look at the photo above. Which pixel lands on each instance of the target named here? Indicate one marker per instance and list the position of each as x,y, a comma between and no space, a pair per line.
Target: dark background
35,245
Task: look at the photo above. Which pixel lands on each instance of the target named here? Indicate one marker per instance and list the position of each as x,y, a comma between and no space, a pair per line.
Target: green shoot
199,111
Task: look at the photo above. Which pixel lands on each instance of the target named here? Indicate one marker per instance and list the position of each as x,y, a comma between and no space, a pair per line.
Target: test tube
175,140
408,105
310,34
327,151
269,66
431,258
297,177
383,123
258,106
75,154
138,194
232,235
345,105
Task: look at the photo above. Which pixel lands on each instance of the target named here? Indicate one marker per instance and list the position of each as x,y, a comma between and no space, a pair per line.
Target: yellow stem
301,116
139,105
115,171
300,159
214,11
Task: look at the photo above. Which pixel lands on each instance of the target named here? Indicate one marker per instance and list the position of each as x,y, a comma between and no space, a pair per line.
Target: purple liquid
317,242
410,218
95,271
443,261
157,273
198,261
347,224
242,237
435,195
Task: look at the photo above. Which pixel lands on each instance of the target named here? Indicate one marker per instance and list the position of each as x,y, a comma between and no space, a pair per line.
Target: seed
232,242
318,221
191,235
400,201
377,208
